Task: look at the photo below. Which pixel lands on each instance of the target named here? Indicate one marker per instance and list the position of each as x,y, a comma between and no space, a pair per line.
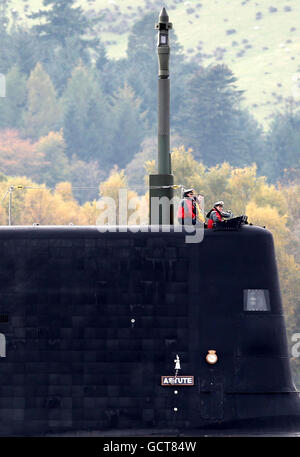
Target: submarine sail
94,322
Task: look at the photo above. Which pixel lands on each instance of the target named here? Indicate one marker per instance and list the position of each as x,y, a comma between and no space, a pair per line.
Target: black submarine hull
92,321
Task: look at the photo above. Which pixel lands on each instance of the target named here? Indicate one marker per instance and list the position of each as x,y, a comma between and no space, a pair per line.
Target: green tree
66,36
212,121
85,178
12,106
6,57
128,125
60,61
60,20
27,49
57,167
86,122
283,143
43,112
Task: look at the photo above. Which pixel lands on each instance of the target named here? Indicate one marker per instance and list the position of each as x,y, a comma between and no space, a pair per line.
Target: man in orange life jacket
217,214
189,211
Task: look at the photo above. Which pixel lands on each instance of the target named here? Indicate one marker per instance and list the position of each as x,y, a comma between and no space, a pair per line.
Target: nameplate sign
177,380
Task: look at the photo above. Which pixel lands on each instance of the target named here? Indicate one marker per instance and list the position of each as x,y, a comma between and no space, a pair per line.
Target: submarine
140,332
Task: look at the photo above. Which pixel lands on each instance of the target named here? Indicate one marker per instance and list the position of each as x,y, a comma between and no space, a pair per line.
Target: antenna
161,184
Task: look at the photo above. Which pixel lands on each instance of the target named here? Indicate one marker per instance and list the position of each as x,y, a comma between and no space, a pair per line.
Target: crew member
199,203
189,212
217,214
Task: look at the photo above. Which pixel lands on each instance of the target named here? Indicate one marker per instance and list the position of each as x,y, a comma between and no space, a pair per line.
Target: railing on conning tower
140,192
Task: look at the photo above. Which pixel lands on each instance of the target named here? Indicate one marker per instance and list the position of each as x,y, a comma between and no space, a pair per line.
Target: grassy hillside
259,40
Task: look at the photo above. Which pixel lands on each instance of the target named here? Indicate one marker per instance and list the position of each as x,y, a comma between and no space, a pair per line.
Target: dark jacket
215,215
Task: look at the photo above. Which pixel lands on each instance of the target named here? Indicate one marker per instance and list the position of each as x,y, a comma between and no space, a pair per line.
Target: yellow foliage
40,207
187,171
138,210
50,140
266,194
215,184
115,182
116,188
269,216
18,196
150,169
3,216
48,208
89,213
291,195
242,185
64,189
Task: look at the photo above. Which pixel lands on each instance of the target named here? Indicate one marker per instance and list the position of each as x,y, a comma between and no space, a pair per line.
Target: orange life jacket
210,221
187,208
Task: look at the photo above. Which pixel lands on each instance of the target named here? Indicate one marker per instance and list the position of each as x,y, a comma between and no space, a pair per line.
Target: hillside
258,40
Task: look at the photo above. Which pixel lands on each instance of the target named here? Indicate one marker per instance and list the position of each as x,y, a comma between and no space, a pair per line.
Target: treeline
82,113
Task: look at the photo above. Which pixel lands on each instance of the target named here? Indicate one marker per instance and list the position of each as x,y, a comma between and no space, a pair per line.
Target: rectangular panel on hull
256,300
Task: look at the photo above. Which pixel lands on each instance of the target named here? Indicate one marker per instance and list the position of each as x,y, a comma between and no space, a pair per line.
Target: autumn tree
19,156
21,185
116,188
90,212
57,207
235,186
35,203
